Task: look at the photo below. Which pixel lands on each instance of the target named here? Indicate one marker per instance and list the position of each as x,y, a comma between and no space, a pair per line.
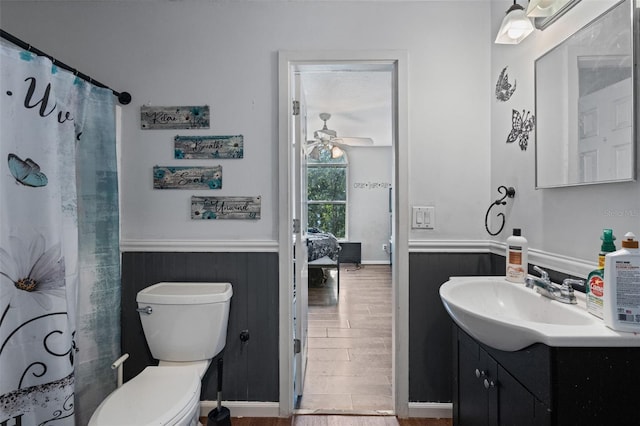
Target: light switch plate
423,217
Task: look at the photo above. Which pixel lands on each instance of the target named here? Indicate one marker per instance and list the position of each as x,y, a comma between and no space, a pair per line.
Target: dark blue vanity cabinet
487,392
544,386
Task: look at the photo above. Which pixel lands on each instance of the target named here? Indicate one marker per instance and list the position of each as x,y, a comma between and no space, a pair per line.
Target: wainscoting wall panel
430,346
251,368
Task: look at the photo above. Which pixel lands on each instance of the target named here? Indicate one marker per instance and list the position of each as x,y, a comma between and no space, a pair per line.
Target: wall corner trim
557,262
449,246
222,246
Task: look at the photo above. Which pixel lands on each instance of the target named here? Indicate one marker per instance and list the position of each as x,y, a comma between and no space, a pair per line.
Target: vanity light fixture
516,26
542,8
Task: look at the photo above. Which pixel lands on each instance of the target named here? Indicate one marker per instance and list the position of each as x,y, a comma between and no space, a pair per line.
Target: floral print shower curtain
52,251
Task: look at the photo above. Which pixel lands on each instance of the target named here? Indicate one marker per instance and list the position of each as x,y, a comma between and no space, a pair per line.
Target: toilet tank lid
185,293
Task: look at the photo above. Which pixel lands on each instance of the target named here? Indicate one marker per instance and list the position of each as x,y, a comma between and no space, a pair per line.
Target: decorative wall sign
225,207
174,117
207,147
504,90
521,126
165,177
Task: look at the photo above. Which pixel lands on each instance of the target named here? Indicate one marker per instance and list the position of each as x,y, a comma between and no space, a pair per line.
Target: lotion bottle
622,286
517,257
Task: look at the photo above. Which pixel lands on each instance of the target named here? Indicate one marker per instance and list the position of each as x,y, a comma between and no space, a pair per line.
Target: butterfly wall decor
521,125
26,172
504,89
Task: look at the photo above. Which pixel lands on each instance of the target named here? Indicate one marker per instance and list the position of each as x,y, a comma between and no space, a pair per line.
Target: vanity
543,386
523,359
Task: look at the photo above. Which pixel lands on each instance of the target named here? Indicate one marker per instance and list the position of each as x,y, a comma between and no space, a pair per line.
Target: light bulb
336,152
515,31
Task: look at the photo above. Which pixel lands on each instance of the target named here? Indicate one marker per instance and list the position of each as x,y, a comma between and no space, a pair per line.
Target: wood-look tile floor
349,356
349,365
334,420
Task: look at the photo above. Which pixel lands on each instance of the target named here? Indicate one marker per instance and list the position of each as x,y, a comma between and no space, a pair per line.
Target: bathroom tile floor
349,357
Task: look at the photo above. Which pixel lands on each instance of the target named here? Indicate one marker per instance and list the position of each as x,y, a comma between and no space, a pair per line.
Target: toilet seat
159,396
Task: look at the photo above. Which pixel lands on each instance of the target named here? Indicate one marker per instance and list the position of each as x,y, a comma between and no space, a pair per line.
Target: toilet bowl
185,325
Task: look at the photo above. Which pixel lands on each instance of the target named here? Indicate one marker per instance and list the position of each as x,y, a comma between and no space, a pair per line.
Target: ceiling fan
326,139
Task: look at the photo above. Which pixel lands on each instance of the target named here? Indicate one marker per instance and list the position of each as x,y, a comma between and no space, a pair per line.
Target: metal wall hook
509,192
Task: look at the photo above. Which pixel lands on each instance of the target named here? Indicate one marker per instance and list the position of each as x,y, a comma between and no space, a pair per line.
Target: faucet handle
568,283
543,274
566,290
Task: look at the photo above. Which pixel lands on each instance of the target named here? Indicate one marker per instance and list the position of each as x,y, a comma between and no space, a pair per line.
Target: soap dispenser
517,257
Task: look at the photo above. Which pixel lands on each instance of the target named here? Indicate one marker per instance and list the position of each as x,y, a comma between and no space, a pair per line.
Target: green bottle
595,280
607,246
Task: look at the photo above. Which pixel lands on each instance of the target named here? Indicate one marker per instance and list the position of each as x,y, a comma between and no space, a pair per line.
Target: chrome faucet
544,286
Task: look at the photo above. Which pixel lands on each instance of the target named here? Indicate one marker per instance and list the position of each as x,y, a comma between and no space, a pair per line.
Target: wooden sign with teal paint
225,207
207,147
165,177
174,117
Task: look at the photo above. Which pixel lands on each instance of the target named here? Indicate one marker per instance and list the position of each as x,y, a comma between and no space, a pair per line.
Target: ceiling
358,97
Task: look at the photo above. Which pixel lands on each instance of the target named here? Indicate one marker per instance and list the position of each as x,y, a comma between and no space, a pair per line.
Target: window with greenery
327,192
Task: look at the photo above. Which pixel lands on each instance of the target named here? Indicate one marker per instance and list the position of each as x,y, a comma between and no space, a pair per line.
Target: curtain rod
123,97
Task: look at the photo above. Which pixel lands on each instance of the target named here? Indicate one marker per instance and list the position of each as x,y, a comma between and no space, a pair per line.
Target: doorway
289,64
346,110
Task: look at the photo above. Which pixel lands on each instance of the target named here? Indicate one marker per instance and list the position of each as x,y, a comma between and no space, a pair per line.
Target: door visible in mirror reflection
605,118
585,112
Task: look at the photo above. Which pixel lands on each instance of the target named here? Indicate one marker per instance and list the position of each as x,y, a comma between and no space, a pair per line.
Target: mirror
585,112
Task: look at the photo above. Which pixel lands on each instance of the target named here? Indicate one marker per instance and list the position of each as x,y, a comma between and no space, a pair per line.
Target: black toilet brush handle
219,383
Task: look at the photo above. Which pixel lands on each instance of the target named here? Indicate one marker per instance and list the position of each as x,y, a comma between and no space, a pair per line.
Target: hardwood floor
349,358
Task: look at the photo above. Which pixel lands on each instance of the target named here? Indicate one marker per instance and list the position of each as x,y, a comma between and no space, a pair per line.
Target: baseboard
243,408
431,410
428,410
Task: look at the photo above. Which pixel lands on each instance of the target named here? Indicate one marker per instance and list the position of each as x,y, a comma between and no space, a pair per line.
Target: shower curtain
59,255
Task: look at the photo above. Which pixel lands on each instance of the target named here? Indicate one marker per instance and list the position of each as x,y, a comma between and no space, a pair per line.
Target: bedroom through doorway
348,127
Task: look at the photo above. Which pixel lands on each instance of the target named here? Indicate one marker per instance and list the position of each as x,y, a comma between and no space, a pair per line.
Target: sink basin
510,317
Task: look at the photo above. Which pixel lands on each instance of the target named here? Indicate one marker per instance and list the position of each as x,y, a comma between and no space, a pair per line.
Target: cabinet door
516,406
472,396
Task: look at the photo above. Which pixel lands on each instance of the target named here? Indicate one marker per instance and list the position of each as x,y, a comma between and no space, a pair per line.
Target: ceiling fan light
516,26
336,152
541,8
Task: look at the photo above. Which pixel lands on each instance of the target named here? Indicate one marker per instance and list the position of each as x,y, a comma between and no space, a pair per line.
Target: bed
323,253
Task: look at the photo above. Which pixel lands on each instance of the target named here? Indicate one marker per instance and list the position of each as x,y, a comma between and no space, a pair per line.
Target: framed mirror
585,104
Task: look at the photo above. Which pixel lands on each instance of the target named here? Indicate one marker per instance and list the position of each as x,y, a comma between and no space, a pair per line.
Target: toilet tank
185,321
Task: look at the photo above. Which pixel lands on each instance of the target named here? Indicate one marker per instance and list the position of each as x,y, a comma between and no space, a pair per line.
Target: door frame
400,226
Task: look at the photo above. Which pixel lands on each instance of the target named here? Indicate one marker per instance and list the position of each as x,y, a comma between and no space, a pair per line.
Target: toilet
185,325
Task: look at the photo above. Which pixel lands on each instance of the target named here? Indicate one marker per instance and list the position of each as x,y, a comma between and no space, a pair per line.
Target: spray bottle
595,280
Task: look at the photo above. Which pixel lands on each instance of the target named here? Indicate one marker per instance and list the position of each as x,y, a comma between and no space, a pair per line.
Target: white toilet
185,325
